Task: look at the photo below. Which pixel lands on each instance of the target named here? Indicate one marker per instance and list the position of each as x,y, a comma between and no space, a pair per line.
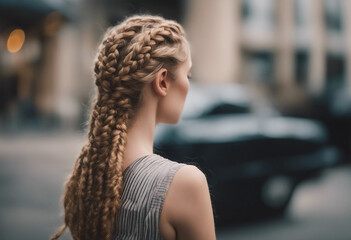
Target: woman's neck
140,134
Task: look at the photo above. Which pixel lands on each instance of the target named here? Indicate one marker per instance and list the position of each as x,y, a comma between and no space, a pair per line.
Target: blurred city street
34,167
267,117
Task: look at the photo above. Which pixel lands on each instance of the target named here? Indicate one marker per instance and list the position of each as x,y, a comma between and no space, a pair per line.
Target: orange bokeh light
15,40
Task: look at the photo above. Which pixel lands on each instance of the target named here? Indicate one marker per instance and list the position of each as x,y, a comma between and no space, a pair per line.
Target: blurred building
40,52
299,49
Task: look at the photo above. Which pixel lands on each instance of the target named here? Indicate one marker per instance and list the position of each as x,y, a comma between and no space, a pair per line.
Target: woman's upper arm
189,207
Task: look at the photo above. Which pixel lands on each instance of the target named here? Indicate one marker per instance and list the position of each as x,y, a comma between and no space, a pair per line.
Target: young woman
119,188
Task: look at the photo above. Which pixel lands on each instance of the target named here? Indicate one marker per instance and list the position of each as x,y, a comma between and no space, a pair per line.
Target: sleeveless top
145,184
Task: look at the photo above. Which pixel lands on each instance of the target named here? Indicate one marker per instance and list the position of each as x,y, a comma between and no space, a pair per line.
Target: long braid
107,122
86,190
129,56
114,176
108,125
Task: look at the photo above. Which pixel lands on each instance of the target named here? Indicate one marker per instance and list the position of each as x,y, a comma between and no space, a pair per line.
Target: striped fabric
146,181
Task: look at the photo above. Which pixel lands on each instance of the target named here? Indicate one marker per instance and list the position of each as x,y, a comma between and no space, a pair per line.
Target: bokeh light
15,40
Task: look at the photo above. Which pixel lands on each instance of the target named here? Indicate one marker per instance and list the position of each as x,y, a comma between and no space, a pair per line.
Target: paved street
35,166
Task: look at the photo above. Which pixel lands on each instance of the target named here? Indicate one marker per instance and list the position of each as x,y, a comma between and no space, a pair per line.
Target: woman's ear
161,83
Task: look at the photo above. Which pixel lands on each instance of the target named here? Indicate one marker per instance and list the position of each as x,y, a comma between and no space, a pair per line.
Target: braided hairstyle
129,56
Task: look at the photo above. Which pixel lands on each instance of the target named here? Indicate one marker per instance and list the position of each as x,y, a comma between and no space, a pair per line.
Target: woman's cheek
187,86
185,89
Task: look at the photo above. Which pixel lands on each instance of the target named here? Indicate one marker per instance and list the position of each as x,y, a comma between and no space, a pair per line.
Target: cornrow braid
129,56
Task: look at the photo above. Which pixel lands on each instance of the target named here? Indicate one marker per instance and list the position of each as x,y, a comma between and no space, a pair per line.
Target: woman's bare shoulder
189,186
188,205
190,176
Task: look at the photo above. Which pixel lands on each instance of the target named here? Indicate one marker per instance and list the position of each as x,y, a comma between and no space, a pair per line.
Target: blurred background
267,118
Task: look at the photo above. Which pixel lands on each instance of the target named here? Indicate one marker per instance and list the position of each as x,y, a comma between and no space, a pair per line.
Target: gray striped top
146,181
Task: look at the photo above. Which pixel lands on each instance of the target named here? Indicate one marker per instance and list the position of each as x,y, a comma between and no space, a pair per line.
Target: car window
227,108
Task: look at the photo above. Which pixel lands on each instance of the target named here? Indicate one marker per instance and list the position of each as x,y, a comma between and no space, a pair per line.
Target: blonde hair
129,56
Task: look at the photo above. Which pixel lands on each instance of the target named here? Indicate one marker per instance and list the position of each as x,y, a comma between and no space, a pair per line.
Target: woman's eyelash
189,76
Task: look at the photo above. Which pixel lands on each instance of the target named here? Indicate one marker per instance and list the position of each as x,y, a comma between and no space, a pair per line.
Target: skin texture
187,211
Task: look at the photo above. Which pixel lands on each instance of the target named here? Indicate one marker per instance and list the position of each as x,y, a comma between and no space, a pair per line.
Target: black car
253,160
